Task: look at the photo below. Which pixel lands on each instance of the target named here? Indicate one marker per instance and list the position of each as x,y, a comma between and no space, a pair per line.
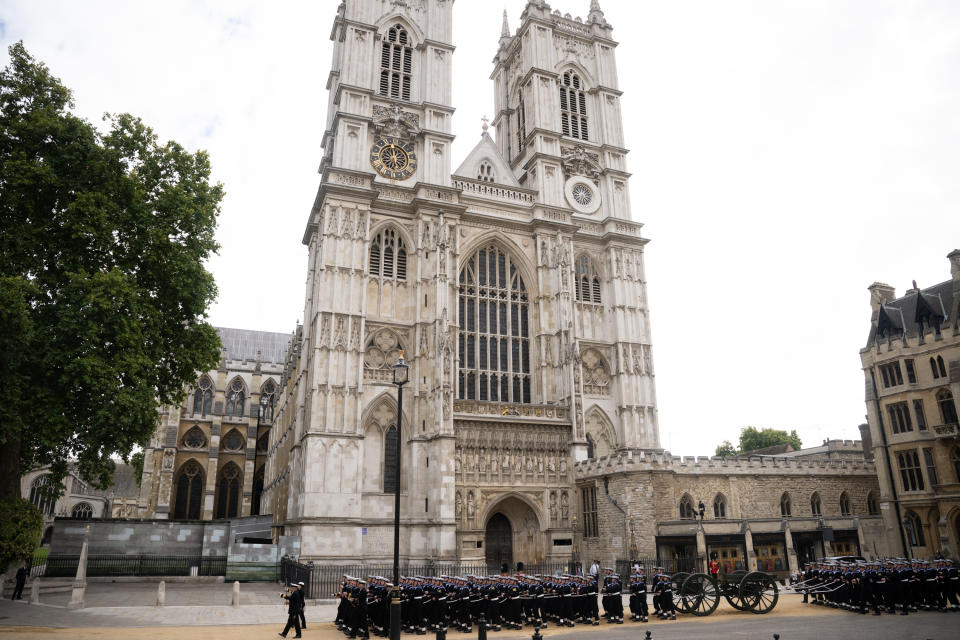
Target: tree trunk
10,467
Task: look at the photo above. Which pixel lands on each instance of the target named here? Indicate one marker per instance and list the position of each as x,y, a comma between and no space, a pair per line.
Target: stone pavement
210,616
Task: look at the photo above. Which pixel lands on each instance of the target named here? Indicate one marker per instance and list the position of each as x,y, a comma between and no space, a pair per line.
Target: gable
487,151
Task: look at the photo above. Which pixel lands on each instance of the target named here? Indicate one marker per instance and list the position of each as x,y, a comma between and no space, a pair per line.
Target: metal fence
62,566
692,564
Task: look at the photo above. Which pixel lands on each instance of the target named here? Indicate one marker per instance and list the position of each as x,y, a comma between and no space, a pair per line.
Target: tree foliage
103,289
21,527
752,439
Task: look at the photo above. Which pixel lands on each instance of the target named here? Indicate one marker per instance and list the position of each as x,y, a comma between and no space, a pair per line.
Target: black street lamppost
908,529
401,373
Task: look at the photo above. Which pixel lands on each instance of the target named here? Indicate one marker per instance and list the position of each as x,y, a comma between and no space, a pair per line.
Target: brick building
911,364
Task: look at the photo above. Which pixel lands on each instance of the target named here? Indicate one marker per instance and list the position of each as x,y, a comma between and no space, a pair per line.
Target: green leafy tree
726,449
136,461
21,526
752,439
103,290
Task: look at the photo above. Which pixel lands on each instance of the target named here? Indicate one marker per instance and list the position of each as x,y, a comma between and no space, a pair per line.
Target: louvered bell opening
375,259
596,290
563,99
405,94
565,123
384,83
583,129
395,85
407,60
582,103
401,265
575,127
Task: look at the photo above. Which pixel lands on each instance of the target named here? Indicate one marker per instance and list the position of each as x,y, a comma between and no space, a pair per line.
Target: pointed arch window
816,506
203,397
268,398
82,511
591,448
844,504
40,495
686,508
873,506
494,341
938,368
236,398
257,492
485,172
588,281
189,496
573,107
388,256
521,120
391,451
228,492
786,509
396,64
914,530
948,410
720,507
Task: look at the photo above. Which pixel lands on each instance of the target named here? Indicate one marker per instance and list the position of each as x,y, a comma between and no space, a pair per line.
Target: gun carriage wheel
700,593
758,592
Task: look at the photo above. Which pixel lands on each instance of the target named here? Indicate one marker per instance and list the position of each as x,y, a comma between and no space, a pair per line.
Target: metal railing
64,566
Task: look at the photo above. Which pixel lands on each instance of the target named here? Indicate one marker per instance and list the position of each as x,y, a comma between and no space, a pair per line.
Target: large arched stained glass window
494,345
189,497
41,496
228,491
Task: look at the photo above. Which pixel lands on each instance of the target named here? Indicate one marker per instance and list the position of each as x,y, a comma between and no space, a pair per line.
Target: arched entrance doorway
499,541
512,534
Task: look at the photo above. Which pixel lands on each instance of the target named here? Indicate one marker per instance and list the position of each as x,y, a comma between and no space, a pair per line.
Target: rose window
582,194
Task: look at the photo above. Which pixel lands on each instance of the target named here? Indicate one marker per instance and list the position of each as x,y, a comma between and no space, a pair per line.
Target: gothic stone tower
514,287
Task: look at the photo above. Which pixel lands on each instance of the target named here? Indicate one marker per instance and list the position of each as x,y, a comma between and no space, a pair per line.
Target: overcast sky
784,155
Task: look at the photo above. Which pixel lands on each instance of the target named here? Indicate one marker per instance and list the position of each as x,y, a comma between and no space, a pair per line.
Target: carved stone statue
471,506
553,506
459,505
394,121
578,162
565,505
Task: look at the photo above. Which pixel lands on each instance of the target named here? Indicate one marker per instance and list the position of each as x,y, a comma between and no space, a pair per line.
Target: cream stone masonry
911,366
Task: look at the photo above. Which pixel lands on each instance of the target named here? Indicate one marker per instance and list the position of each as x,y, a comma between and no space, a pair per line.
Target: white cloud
785,155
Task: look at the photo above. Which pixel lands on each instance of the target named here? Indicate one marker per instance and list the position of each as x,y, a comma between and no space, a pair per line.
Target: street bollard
648,636
441,633
35,591
161,593
776,636
482,628
536,633
236,594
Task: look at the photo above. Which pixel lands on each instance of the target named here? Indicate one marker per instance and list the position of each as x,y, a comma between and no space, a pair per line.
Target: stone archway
513,534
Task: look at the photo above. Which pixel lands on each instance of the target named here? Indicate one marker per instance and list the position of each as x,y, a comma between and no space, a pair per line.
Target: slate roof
124,484
243,344
901,315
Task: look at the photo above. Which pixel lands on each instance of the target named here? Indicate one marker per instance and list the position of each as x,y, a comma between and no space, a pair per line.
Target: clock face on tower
393,158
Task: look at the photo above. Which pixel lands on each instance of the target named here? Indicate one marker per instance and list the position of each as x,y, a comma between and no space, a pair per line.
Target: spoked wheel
680,603
759,592
701,594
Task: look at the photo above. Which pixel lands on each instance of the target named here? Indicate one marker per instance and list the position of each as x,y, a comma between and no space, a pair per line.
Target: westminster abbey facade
513,285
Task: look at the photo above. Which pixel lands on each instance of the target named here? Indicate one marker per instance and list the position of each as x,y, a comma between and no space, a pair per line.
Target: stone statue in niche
529,464
552,465
563,466
553,506
459,505
459,465
565,506
471,506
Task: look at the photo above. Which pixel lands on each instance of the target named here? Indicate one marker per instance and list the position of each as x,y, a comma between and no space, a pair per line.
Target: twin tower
513,286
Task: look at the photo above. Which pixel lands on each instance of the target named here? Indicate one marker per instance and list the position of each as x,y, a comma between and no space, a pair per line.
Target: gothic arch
686,506
585,76
383,411
403,233
236,396
494,505
413,30
379,417
596,373
518,258
600,429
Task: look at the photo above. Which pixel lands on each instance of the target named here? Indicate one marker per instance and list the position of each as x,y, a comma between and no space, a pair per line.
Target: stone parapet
629,461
